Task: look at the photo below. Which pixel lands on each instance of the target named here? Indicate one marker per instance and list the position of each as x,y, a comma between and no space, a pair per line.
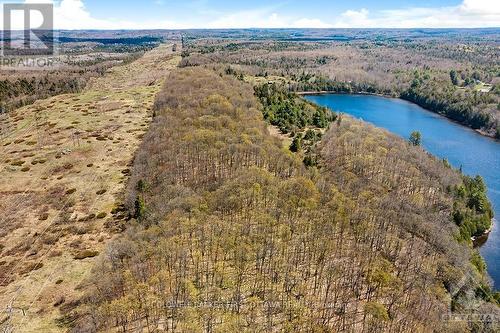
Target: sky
185,14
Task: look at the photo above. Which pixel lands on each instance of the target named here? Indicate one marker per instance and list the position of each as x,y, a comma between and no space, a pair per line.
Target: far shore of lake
325,92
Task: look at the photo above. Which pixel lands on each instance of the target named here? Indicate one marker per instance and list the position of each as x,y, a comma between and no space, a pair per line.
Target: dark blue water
461,146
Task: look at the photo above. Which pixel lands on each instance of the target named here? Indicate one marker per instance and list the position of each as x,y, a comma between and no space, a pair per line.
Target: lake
461,146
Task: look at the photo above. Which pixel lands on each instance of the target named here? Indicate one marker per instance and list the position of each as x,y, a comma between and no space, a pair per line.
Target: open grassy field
64,162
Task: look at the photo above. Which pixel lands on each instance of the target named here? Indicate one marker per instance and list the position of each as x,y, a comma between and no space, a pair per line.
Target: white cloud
469,14
481,7
72,15
248,19
353,18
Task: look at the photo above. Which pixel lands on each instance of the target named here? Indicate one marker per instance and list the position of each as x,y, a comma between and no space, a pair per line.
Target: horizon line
260,28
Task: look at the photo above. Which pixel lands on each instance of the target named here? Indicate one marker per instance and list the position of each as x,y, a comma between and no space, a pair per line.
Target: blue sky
147,14
208,9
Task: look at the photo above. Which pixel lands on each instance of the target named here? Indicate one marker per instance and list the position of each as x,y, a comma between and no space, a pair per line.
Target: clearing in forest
64,162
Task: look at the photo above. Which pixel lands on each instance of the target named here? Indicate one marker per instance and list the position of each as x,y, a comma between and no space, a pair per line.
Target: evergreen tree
454,77
415,138
296,143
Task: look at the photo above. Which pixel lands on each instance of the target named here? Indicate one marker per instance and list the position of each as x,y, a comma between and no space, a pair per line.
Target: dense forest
232,232
458,80
19,90
289,112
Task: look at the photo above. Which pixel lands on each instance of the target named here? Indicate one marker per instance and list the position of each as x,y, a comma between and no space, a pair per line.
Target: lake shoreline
324,92
463,147
480,240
